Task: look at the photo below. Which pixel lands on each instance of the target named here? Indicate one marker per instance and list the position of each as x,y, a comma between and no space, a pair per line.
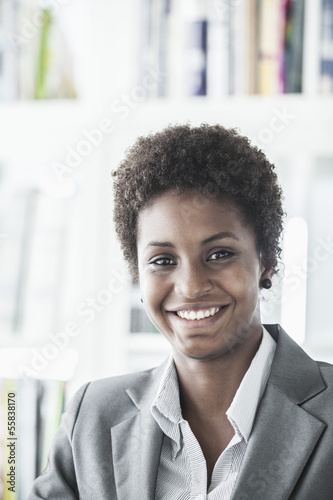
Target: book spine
269,47
10,53
239,44
145,41
2,53
196,50
326,48
28,434
252,46
218,59
294,46
41,76
163,46
281,43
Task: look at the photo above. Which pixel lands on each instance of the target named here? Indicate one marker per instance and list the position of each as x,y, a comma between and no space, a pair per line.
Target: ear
265,272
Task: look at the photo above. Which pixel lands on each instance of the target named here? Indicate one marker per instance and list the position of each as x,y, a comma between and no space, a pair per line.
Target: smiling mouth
199,314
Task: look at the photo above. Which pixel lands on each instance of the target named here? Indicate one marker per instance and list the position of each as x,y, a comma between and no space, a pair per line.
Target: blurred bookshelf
38,55
263,66
241,64
248,76
218,48
37,403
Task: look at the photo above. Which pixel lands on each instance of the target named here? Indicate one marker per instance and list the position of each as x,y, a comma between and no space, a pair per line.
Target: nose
193,281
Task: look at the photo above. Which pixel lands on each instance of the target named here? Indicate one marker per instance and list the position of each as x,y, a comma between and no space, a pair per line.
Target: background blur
79,81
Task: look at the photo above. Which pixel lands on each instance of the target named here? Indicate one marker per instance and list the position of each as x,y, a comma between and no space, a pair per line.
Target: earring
266,283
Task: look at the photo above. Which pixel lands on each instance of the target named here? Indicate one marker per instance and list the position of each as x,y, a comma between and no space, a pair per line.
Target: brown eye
163,261
221,254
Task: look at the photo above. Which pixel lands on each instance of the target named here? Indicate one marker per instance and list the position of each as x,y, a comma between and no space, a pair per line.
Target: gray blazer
108,444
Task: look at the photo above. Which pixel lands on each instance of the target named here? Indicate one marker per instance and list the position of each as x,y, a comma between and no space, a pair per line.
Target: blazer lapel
136,444
284,434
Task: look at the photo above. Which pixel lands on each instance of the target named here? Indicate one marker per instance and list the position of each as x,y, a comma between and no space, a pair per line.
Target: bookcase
69,284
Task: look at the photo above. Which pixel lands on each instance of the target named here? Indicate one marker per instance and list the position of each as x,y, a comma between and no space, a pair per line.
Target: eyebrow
218,236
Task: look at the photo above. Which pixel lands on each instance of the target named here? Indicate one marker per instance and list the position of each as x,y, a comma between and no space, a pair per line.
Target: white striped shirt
182,472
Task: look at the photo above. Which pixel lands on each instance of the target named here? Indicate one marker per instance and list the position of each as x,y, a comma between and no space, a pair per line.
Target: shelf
256,116
43,130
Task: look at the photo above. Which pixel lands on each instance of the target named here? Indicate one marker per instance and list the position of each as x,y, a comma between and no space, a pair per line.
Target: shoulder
326,371
112,391
109,399
320,405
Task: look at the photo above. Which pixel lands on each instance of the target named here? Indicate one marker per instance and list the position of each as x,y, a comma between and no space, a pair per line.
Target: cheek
243,283
152,292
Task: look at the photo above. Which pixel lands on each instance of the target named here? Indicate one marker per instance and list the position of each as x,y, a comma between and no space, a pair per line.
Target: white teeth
200,314
195,315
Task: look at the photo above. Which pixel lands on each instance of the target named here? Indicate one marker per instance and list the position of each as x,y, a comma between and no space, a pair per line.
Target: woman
239,411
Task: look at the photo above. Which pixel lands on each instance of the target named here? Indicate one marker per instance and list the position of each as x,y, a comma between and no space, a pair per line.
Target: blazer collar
282,439
291,367
284,434
137,442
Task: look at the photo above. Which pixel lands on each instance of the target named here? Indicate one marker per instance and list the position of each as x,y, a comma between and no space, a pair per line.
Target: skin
195,253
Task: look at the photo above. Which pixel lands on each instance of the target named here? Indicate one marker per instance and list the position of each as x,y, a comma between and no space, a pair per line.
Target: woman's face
199,273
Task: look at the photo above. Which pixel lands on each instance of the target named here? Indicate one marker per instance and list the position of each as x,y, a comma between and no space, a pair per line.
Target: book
9,55
36,51
28,401
2,50
294,46
253,46
175,48
224,48
38,408
270,23
196,49
239,40
326,48
218,53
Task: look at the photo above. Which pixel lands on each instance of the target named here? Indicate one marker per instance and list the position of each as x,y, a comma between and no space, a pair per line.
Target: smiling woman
238,411
199,286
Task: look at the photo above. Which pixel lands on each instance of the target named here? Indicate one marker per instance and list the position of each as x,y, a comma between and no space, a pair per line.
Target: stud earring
266,283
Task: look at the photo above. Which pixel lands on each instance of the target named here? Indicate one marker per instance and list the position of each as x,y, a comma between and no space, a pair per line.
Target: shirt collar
166,408
251,388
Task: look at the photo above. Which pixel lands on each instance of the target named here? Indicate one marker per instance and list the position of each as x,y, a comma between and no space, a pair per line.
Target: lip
198,323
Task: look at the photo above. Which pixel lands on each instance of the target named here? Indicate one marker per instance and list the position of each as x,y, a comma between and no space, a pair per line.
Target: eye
163,261
220,254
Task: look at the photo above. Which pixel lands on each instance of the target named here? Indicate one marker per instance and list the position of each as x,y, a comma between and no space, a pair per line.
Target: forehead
190,216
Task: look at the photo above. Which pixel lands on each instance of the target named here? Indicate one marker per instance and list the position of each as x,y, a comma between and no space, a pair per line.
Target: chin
201,352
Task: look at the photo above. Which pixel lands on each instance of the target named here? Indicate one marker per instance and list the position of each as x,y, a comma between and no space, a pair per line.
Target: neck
207,387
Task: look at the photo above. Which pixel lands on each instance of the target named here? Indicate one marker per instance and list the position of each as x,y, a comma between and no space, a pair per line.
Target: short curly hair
210,158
